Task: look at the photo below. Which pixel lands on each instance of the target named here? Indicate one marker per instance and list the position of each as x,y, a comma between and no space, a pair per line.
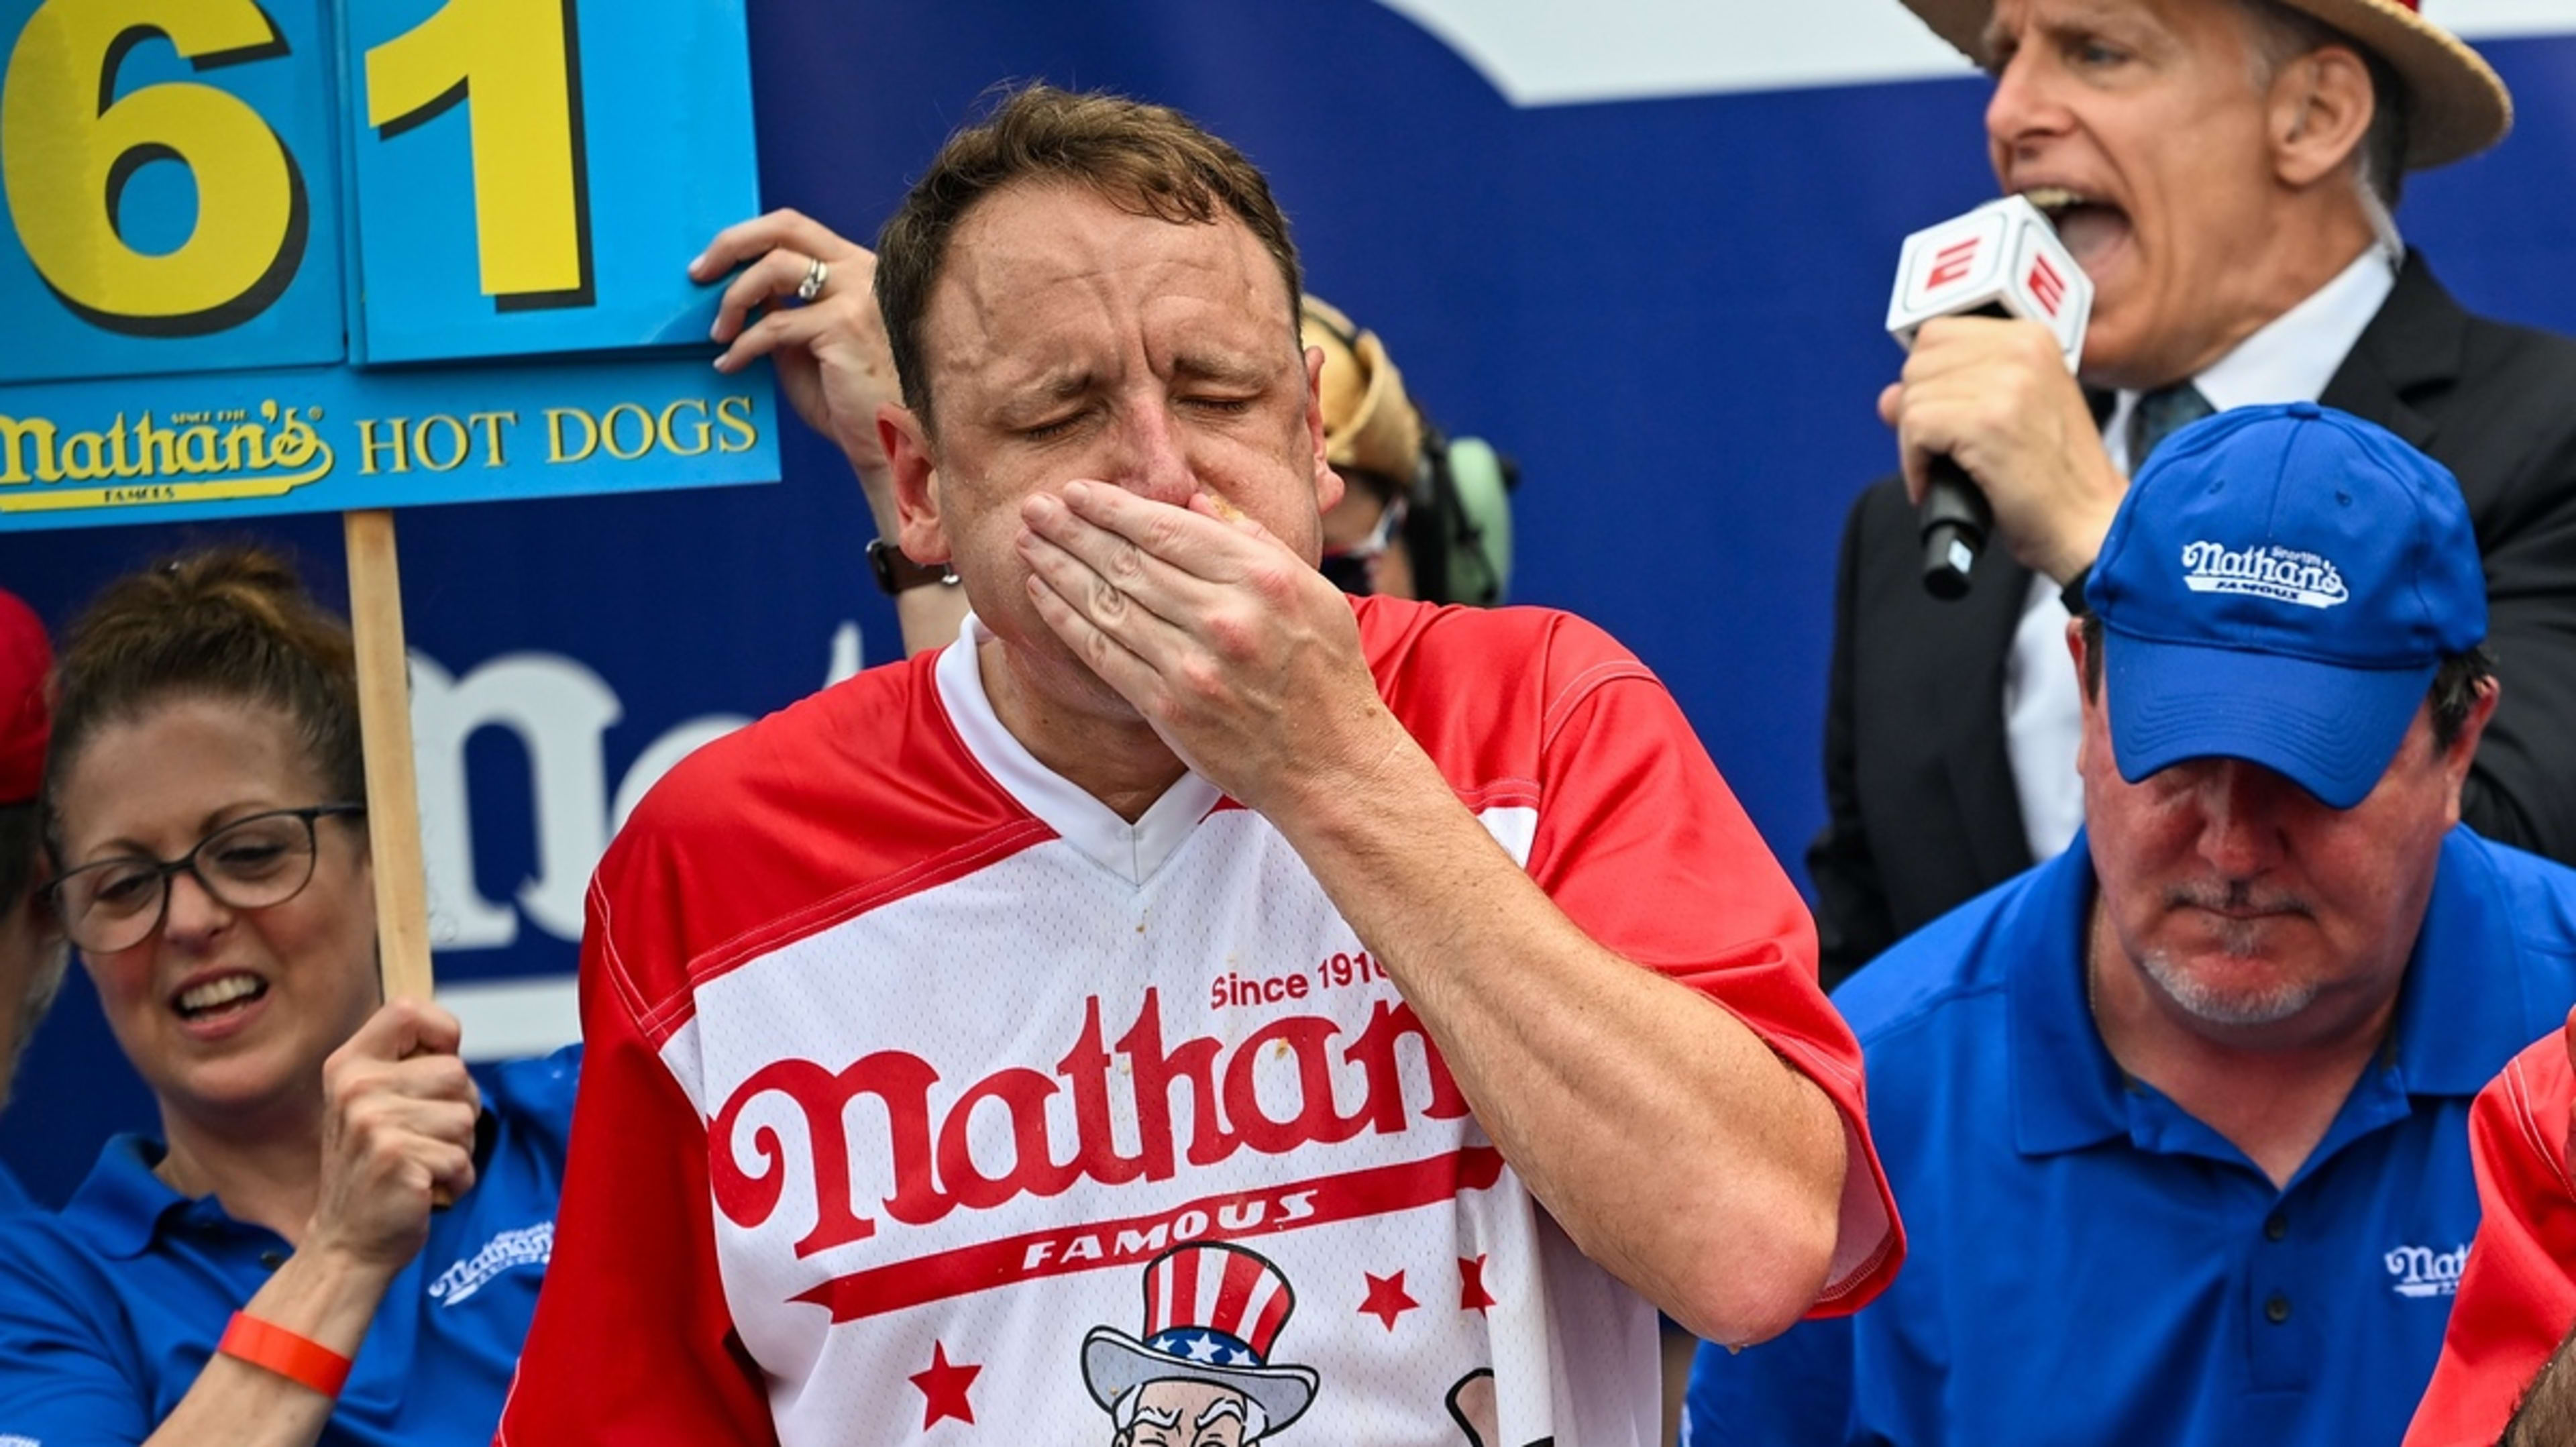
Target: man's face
1186,1414
2140,126
2255,911
1067,340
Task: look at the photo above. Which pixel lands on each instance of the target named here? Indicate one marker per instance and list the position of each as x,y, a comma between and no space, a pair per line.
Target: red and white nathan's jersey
926,1098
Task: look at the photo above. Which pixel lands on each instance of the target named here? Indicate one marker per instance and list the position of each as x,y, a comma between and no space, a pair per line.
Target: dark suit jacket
1920,794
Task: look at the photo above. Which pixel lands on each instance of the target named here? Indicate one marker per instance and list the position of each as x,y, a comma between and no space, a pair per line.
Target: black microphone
1954,518
2001,260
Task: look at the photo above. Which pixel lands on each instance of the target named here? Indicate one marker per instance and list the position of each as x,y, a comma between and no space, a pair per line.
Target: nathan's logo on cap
2327,570
2285,574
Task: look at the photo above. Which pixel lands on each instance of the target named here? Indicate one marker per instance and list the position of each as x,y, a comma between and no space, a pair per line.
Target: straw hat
2460,105
1369,424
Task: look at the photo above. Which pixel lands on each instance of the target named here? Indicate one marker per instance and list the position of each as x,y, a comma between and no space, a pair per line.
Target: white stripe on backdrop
1546,52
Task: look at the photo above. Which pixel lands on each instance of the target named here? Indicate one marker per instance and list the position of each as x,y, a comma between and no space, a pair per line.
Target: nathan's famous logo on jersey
184,457
2420,1271
934,1173
931,1172
2285,575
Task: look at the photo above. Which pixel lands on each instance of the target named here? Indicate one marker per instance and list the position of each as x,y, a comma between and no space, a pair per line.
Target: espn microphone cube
2004,257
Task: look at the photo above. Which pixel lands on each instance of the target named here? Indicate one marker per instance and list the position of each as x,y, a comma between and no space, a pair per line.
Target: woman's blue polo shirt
110,1309
2090,1264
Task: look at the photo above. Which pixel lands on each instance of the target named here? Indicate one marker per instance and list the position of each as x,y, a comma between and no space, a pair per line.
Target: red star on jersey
1472,1295
943,1383
1386,1298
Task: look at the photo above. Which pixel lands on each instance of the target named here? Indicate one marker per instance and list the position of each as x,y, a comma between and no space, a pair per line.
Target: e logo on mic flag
306,255
2002,256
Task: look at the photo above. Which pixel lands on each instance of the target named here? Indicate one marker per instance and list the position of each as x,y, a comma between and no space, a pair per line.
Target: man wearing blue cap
2179,1119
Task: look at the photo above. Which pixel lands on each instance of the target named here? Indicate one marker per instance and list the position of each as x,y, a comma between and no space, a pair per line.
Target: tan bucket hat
2460,104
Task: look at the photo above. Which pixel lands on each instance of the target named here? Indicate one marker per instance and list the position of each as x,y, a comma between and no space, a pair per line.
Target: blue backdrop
1668,310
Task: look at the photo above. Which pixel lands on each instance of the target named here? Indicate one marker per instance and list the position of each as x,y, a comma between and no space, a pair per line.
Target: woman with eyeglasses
339,1234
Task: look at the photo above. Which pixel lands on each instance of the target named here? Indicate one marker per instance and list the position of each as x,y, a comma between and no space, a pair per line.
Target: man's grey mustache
2238,897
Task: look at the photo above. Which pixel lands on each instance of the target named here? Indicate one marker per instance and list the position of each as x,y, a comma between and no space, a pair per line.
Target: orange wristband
300,1360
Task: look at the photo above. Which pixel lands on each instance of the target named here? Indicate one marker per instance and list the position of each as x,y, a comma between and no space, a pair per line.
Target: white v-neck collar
1131,851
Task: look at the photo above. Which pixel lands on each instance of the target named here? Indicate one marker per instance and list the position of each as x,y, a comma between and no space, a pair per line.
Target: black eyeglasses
251,863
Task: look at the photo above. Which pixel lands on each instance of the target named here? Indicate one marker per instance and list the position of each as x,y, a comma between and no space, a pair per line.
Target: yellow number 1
67,151
511,63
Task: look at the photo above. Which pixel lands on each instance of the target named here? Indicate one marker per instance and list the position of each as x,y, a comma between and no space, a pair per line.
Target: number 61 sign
289,255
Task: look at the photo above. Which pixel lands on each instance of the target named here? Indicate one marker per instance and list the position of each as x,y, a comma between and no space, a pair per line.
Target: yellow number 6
66,155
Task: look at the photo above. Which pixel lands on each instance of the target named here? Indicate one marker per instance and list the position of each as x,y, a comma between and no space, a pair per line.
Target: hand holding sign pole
2002,259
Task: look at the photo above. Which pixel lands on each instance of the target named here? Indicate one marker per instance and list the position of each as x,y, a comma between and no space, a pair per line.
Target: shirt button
272,1259
2276,1226
2277,1310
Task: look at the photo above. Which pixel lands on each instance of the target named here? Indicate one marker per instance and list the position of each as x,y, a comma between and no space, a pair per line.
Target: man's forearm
1666,1137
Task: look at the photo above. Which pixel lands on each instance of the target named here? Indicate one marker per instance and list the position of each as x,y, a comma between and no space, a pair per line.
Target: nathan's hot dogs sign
295,255
298,255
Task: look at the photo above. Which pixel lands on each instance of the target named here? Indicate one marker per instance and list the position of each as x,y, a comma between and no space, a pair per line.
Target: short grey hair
2283,33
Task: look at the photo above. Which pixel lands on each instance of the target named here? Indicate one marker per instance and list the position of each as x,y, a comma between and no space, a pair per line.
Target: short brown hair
229,622
1147,160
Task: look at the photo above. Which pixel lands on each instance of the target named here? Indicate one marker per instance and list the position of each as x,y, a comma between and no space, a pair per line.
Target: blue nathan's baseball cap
2280,585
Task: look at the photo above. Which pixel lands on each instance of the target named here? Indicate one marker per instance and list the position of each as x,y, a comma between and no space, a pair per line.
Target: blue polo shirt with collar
13,1197
110,1309
2090,1264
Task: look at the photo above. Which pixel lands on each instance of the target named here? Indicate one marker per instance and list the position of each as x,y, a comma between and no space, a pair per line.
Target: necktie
2158,415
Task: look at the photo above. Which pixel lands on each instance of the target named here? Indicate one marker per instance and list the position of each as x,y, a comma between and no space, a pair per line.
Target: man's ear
919,529
2317,113
2077,656
2464,748
2454,762
1328,483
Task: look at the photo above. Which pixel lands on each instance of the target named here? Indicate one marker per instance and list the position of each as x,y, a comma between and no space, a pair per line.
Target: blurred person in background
2226,172
1422,515
32,956
269,1271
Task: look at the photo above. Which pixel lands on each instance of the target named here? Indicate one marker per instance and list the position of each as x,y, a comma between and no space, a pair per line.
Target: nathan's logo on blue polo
2421,1271
527,1246
2272,571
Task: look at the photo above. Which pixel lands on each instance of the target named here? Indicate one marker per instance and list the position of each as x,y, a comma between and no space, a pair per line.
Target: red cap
25,658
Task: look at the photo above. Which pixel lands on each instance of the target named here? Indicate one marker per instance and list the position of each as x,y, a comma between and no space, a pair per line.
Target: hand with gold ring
831,353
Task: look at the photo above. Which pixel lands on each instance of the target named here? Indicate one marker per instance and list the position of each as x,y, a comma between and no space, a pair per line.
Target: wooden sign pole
384,726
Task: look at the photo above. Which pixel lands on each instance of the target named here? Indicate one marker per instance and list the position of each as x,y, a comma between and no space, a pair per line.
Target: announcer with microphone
2226,171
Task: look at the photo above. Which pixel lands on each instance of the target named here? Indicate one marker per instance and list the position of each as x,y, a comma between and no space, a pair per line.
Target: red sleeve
632,1342
1641,843
2516,1299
